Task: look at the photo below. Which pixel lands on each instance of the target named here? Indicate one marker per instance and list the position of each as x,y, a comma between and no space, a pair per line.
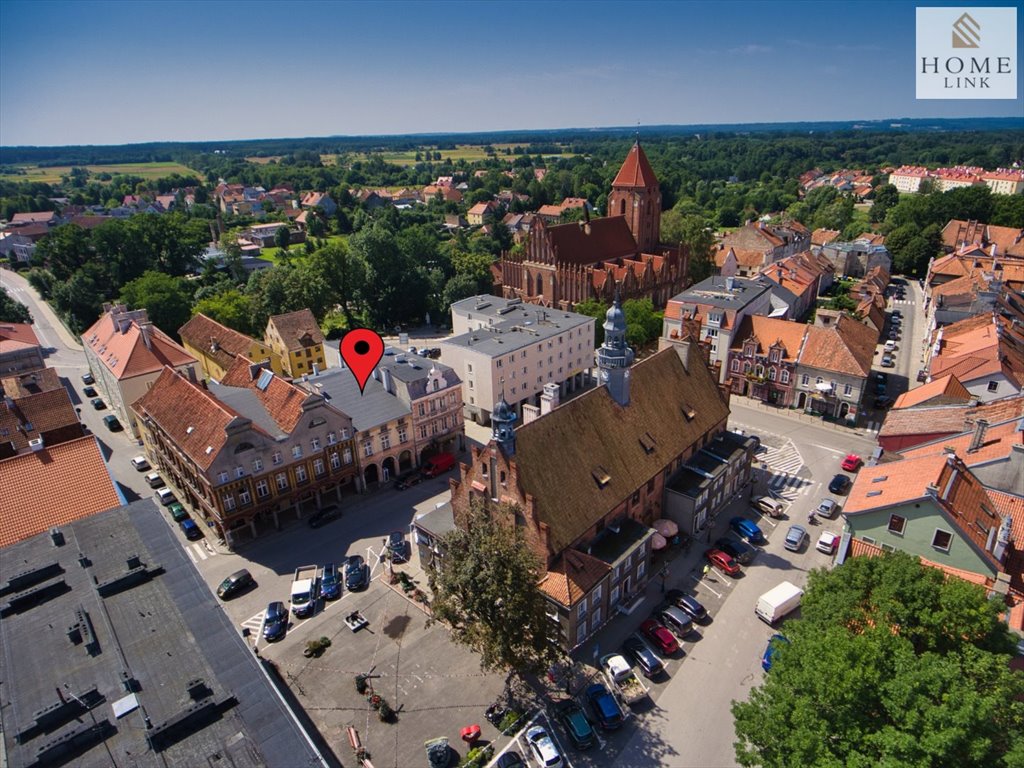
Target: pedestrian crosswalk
906,302
253,624
786,460
199,551
788,487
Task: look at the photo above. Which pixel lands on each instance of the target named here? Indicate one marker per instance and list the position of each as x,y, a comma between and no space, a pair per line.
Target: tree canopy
12,310
486,592
891,664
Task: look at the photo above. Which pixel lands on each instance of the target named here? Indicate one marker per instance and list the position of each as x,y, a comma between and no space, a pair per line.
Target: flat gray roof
512,326
373,408
715,292
147,631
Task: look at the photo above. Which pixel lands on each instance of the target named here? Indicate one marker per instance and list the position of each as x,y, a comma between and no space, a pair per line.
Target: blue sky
114,72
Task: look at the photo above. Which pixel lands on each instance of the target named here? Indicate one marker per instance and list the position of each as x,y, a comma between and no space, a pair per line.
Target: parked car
178,512
87,378
768,506
796,536
89,391
510,759
324,516
438,464
884,402
737,550
882,376
397,547
852,462
827,508
330,582
880,388
112,423
357,573
771,649
140,463
98,403
153,480
165,496
408,480
581,733
897,313
888,361
688,603
839,484
542,747
723,562
660,636
747,529
191,530
235,584
605,707
676,619
828,543
894,335
275,621
642,655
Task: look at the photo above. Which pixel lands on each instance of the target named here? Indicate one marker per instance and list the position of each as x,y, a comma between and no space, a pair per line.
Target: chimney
146,329
1003,538
549,398
385,379
980,427
932,490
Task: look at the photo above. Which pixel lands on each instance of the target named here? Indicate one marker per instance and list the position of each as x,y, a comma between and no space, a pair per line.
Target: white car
154,480
543,748
166,496
828,543
140,463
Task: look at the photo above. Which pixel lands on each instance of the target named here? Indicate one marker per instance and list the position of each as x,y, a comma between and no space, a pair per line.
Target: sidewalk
70,341
790,413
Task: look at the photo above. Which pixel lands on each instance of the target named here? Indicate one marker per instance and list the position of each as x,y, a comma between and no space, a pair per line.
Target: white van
890,346
165,495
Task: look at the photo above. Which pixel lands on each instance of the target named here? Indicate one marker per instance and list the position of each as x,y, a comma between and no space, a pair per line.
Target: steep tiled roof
192,417
846,347
946,389
26,383
951,419
997,443
610,239
636,171
903,481
979,347
219,342
26,418
824,236
592,434
550,210
1008,240
281,399
572,576
55,486
126,353
294,325
768,330
17,336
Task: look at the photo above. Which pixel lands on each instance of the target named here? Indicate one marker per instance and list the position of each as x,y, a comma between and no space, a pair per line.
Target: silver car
827,508
795,538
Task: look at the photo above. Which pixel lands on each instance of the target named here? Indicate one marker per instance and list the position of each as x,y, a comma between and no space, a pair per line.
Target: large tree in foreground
891,664
486,591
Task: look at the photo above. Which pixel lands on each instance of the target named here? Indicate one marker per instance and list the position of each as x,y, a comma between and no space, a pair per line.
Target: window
819,380
229,502
785,376
300,474
747,367
993,386
385,441
775,356
314,444
636,498
368,448
282,481
222,477
847,390
262,489
469,367
641,569
581,630
403,435
805,380
422,409
239,472
335,461
451,395
318,467
276,458
759,370
344,433
257,465
331,438
296,451
736,366
347,456
942,539
499,362
581,612
244,497
596,599
771,374
897,524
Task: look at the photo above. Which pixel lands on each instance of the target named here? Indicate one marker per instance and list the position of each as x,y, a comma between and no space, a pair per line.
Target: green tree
596,310
166,299
487,593
393,281
345,273
63,251
80,298
232,308
891,664
283,238
886,196
696,235
643,324
12,310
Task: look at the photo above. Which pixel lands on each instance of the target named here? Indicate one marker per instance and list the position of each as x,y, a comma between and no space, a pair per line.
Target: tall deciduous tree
167,300
486,592
891,664
12,310
696,234
232,308
596,310
643,323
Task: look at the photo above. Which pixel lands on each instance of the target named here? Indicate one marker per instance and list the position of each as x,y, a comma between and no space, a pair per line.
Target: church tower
503,432
614,356
637,196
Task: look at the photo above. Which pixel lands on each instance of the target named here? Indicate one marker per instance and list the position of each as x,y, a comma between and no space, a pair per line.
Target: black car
408,480
396,547
510,759
275,621
576,724
642,655
880,388
88,379
324,516
687,603
897,313
839,484
883,402
357,574
881,376
235,584
98,404
330,582
737,550
89,391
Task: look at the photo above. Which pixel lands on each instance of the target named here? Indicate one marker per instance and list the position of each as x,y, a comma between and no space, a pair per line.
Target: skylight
601,476
880,479
264,381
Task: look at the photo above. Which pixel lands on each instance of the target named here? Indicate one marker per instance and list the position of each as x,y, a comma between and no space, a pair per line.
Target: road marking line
192,555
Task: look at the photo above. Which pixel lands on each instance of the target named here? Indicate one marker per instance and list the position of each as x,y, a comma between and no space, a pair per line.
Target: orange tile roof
945,389
747,257
293,326
846,347
997,443
768,330
281,399
219,342
980,346
572,576
17,336
55,486
904,481
549,210
191,416
636,171
126,354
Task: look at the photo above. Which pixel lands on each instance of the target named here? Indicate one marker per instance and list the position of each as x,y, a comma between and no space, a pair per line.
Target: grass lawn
467,152
298,251
51,175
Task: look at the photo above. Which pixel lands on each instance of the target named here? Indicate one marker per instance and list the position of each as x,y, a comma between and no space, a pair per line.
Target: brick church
564,264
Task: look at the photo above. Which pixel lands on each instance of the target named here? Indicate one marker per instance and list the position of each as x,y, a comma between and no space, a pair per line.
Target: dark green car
580,731
177,511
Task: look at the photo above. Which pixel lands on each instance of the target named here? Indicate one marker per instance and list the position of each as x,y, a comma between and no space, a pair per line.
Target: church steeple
614,357
503,432
637,196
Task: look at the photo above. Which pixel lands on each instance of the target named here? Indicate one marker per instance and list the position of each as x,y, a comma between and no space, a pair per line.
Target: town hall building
565,264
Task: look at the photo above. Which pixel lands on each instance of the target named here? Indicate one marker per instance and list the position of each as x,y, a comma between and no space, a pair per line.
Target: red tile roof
125,352
26,418
946,389
219,342
845,347
636,171
997,443
54,486
281,399
17,336
294,326
610,239
824,236
572,576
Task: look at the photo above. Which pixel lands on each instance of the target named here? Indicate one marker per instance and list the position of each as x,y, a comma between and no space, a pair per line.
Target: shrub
477,757
385,712
361,684
508,722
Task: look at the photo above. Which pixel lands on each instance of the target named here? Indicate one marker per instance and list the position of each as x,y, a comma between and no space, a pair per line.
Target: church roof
609,239
636,171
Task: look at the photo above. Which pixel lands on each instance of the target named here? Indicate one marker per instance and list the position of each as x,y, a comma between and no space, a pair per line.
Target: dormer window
775,356
601,476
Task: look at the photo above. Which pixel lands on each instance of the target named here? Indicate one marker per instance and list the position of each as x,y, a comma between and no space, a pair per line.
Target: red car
723,562
852,462
660,635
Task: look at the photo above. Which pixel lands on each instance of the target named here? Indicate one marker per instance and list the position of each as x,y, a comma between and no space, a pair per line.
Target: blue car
330,583
747,530
191,530
769,652
605,708
275,621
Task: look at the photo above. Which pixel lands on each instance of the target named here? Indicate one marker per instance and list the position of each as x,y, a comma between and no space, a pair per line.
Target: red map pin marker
361,350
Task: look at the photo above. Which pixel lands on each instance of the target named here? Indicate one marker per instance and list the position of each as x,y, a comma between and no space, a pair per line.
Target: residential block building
216,347
19,349
763,359
985,352
31,422
834,366
296,338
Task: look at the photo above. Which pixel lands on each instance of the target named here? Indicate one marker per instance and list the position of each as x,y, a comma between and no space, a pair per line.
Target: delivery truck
304,590
778,601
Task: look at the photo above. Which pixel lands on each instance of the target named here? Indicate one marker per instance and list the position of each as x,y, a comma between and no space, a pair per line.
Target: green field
52,175
467,152
298,251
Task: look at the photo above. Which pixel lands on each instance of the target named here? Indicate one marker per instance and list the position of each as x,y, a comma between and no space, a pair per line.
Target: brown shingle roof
219,342
26,418
946,389
846,347
281,399
293,326
54,486
572,576
26,383
636,171
557,455
610,239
